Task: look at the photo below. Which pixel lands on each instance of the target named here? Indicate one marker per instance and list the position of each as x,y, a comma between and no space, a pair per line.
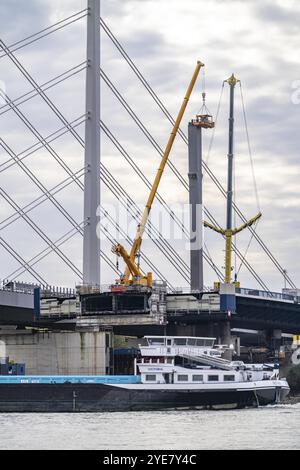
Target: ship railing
209,360
167,351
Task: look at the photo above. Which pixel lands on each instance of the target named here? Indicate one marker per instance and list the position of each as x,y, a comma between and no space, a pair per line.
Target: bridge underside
16,315
267,314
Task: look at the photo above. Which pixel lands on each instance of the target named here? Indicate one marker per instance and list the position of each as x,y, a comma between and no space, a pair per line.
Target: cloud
17,21
283,15
256,40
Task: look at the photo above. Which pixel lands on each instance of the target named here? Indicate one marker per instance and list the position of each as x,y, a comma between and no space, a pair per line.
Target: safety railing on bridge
268,295
14,287
46,291
290,296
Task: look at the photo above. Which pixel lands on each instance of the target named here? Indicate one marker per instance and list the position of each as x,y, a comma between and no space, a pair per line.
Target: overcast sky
257,40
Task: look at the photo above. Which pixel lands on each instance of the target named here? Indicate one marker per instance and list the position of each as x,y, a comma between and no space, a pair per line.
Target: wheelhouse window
150,377
182,378
213,378
180,341
197,378
156,341
229,378
209,343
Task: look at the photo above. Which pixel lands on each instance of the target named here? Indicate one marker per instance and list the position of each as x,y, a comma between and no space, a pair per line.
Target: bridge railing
24,288
267,295
245,291
18,290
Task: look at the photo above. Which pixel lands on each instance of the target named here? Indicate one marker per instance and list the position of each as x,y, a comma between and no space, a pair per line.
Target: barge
170,373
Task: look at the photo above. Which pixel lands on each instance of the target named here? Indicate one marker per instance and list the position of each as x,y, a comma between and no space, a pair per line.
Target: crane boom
119,249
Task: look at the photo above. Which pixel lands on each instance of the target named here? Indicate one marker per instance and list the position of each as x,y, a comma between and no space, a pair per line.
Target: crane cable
213,265
254,181
214,130
205,110
234,220
249,148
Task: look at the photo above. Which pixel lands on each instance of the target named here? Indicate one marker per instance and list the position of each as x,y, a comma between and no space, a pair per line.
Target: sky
258,41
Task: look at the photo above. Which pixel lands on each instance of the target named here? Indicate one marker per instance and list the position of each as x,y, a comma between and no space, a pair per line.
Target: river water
274,427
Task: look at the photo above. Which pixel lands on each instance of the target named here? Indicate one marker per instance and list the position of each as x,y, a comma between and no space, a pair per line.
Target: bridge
258,308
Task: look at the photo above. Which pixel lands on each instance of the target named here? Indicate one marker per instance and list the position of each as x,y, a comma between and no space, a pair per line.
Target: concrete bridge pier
274,340
60,352
209,330
224,337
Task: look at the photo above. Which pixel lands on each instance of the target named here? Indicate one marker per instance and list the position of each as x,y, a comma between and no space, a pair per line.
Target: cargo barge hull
67,398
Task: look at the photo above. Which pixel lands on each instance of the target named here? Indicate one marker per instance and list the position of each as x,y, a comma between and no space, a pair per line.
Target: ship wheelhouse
183,361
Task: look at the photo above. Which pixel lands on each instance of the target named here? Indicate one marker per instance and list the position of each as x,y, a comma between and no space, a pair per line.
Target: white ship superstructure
195,364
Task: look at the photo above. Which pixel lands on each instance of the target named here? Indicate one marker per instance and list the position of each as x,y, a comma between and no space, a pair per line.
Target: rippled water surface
264,428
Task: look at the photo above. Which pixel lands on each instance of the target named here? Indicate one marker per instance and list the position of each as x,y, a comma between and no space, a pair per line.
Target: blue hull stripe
60,379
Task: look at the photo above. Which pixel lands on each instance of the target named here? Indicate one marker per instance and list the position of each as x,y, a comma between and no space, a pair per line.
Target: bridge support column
91,241
114,302
274,338
196,214
225,338
60,352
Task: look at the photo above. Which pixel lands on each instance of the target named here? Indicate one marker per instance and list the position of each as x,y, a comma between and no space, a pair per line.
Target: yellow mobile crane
133,274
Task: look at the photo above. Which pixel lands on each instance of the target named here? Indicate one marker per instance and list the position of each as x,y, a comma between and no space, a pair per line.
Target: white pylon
91,242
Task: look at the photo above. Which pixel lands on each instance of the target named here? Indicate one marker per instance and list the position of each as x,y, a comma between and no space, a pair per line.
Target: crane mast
230,232
132,269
